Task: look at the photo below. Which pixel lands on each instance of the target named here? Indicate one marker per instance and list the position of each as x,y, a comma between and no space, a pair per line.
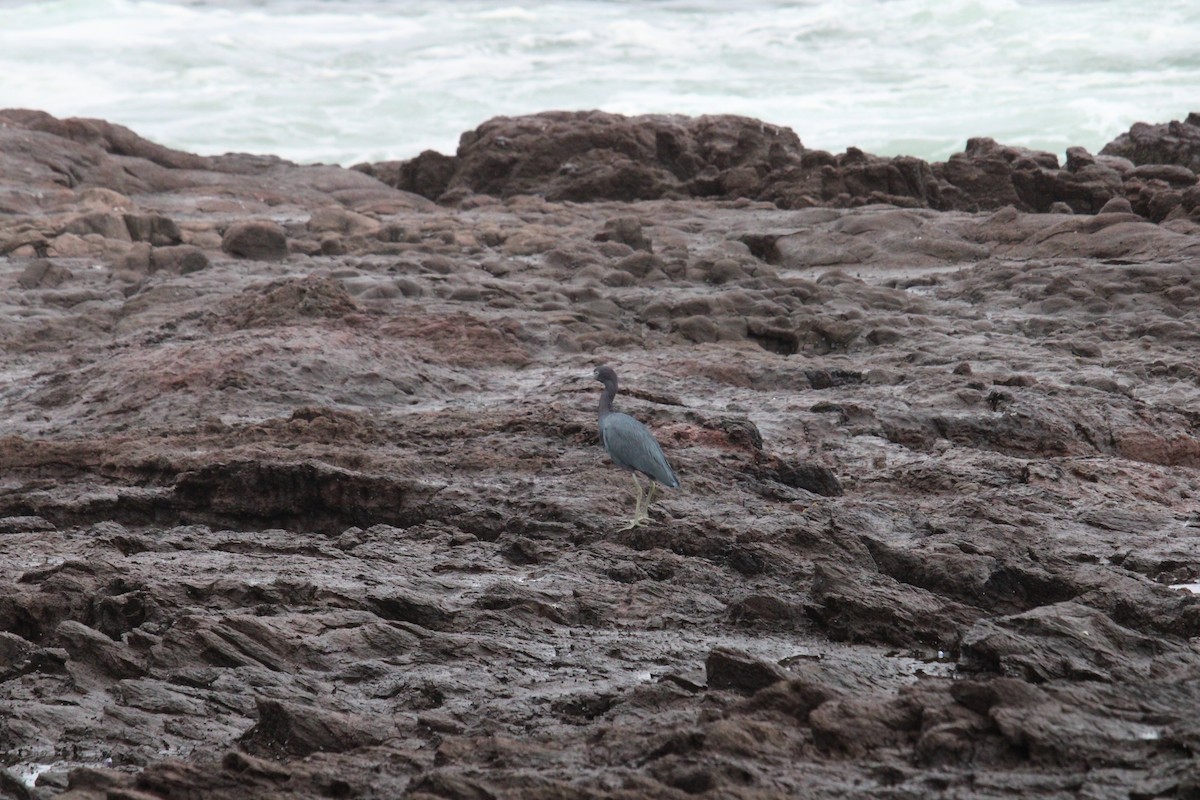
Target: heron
632,447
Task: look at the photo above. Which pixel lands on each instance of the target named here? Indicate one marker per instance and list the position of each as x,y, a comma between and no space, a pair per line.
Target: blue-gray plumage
632,447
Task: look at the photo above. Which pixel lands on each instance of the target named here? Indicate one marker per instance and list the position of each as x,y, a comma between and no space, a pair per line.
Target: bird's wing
631,445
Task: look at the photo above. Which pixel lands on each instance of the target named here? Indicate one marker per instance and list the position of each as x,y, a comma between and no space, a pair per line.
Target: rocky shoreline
302,492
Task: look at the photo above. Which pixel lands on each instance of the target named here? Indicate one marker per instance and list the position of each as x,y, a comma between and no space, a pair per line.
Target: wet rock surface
302,495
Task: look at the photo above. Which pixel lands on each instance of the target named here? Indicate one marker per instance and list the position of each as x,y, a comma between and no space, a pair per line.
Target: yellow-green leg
639,509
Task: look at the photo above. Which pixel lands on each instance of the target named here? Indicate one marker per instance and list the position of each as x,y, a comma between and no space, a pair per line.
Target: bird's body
632,447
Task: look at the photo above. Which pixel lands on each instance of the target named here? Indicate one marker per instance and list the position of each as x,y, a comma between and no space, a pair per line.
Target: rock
93,650
112,138
350,512
854,726
291,729
698,329
99,199
730,669
258,240
1152,198
340,220
592,155
639,264
813,478
1170,143
1175,176
759,608
429,174
627,231
107,224
405,607
43,274
1067,640
181,260
988,175
311,495
136,260
156,229
1190,199
1079,158
15,654
12,786
1117,205
796,698
855,606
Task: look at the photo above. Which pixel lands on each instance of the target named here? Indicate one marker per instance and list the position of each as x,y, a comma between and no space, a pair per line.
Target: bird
632,447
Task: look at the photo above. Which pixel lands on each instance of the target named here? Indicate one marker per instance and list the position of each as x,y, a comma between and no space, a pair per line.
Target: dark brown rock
429,174
156,229
1176,177
873,608
814,478
730,669
405,607
296,730
15,654
1169,143
593,155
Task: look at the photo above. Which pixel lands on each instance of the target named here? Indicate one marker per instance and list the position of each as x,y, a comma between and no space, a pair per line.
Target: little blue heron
631,446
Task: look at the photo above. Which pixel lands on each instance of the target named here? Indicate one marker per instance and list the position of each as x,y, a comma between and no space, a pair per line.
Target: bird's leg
639,510
650,491
639,514
637,487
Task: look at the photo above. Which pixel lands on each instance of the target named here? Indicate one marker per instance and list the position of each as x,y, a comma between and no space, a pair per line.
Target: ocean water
344,81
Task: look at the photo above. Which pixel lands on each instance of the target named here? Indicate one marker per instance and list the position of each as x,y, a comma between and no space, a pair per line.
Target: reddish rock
90,648
259,240
107,224
594,155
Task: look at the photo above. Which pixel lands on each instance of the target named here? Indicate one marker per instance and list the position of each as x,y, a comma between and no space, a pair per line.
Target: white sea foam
358,80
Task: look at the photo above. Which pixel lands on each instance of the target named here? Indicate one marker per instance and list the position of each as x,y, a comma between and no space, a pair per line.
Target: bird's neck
606,400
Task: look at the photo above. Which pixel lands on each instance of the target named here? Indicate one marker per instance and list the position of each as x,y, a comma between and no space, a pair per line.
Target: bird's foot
636,522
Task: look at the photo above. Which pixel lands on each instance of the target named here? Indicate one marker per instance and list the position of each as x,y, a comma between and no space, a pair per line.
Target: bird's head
604,375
